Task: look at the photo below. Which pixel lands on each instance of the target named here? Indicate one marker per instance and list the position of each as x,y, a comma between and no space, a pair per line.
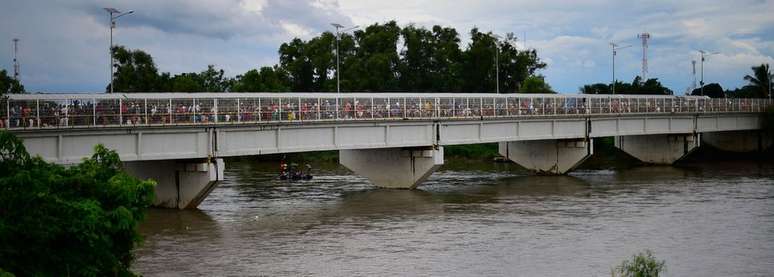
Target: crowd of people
44,113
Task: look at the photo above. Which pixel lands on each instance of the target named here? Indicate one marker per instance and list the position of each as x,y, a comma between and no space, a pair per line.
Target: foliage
760,81
135,71
536,84
380,57
643,264
637,86
267,79
472,151
8,84
60,221
713,90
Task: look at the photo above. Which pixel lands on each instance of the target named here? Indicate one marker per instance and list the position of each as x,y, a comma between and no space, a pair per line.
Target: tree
479,69
761,80
642,265
9,84
294,59
713,90
598,88
61,221
375,64
135,71
478,63
535,84
651,86
267,79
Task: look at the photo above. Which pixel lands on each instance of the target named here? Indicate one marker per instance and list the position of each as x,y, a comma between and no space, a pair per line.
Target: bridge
394,139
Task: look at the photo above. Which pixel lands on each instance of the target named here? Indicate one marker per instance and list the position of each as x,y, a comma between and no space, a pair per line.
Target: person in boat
283,169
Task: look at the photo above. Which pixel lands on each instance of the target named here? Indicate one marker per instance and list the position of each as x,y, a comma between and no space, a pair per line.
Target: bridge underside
403,168
187,161
181,184
548,156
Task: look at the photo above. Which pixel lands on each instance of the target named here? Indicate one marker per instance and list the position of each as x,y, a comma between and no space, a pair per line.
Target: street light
497,62
616,47
704,53
113,14
339,30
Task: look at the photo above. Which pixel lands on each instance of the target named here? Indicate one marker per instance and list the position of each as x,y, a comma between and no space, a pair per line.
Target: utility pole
113,14
703,54
616,47
338,61
497,62
15,59
644,37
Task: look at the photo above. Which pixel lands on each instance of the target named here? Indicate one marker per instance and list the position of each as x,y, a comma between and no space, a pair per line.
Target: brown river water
471,219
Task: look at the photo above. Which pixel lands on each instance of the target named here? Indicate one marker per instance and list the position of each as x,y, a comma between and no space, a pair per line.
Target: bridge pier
739,141
556,156
402,168
182,184
658,149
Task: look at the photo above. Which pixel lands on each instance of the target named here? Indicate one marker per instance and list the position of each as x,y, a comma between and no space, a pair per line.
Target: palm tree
761,81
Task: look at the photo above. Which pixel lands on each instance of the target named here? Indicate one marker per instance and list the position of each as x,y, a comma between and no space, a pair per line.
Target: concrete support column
739,141
548,156
402,168
181,184
658,149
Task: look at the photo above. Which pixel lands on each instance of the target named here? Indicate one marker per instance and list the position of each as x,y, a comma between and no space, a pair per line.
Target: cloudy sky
64,43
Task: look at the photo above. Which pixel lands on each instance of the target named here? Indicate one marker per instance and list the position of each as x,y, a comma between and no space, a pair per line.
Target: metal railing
161,109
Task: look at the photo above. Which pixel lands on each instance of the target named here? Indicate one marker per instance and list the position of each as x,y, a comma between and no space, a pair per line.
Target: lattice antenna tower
15,59
644,37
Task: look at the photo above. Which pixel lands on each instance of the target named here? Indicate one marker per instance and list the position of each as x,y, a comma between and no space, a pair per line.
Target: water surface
471,219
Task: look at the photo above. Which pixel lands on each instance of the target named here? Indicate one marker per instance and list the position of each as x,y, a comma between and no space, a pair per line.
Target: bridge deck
47,111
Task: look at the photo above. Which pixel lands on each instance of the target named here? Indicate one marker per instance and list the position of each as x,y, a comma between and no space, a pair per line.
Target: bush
643,264
61,221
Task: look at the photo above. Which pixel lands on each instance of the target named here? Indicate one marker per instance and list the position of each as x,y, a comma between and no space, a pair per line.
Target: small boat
293,174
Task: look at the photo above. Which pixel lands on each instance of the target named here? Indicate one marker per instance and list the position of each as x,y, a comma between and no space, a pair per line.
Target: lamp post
616,47
113,14
339,30
497,63
704,54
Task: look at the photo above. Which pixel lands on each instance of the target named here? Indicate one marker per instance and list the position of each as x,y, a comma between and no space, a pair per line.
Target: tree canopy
68,221
380,57
713,90
8,84
637,86
760,82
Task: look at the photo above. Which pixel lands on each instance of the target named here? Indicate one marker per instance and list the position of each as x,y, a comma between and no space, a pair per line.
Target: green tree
9,84
267,79
375,64
651,86
478,63
641,265
68,221
135,71
415,68
536,84
294,59
598,88
760,81
713,90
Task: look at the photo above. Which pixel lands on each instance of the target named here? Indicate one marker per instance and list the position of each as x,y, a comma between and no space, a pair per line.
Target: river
471,219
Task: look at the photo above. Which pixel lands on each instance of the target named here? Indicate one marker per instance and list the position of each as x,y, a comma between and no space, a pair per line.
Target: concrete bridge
394,139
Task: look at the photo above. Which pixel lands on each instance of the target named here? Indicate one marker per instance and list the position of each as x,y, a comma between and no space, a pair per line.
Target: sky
64,44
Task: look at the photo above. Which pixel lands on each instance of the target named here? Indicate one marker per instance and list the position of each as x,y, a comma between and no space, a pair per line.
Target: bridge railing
99,110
